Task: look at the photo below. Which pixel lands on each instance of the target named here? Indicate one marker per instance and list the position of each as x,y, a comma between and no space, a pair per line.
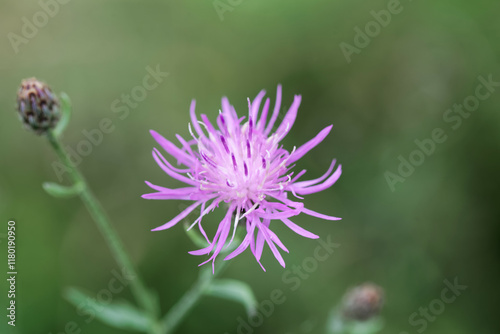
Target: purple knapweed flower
242,164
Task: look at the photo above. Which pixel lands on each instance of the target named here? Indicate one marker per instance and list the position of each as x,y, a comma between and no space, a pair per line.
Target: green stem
336,323
139,290
180,310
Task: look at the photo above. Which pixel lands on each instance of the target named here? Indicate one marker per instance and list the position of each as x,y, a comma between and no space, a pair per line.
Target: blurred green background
441,223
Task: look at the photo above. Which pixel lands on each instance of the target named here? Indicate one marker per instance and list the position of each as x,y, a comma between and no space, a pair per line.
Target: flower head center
240,163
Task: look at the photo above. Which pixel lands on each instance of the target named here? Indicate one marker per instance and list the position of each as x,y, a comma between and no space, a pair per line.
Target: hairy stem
139,290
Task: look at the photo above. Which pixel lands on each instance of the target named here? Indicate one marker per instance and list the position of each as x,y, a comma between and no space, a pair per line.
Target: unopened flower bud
38,107
363,302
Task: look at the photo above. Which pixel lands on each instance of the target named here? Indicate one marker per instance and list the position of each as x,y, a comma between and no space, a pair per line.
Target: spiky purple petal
242,164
